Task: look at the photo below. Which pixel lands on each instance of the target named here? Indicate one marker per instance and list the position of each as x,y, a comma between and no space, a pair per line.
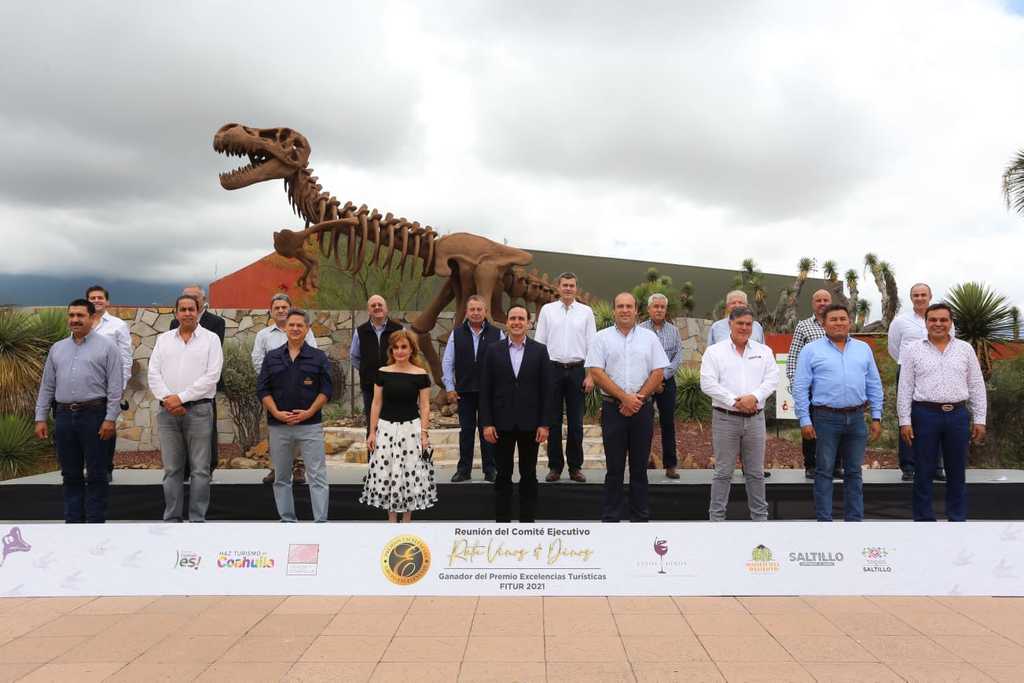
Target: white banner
691,558
784,408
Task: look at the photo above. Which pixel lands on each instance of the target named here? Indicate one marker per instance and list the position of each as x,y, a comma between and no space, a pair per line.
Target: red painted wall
254,285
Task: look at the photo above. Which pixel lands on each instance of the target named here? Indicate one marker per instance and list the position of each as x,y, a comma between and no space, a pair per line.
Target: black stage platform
237,495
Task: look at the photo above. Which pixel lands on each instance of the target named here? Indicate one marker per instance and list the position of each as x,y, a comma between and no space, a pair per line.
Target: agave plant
25,339
604,314
1013,184
982,318
691,403
19,447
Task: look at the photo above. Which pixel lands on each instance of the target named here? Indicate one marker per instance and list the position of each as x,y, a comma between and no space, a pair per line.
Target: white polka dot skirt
398,480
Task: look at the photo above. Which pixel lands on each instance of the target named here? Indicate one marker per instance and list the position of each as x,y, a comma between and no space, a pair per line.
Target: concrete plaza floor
511,639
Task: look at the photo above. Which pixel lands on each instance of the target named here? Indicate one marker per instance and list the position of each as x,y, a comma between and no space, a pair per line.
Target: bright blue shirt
838,379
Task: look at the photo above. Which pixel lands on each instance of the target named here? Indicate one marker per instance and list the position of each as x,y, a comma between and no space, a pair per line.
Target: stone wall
137,428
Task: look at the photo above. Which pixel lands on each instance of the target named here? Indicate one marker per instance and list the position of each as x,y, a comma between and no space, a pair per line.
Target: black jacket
373,352
511,403
294,384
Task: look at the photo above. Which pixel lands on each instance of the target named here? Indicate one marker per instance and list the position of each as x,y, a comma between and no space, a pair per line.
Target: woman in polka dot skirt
399,480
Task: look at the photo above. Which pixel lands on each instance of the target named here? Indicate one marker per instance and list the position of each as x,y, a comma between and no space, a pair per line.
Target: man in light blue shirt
720,329
836,379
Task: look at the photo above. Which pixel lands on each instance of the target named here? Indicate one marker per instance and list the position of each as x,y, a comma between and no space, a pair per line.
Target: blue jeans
666,403
469,407
843,436
79,446
947,435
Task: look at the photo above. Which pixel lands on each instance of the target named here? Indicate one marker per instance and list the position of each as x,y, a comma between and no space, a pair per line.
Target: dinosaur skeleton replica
469,263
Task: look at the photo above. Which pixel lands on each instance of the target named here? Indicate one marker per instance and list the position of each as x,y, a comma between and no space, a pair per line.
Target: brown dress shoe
577,475
299,474
269,479
553,475
671,473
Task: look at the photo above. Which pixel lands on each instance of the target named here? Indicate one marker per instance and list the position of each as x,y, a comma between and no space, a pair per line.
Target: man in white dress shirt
567,328
939,378
906,328
738,374
115,329
627,363
274,337
183,372
721,330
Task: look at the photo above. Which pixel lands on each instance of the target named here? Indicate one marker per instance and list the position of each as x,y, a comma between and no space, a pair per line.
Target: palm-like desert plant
830,270
1013,184
1015,322
686,302
863,311
852,282
982,317
691,403
19,447
885,281
25,339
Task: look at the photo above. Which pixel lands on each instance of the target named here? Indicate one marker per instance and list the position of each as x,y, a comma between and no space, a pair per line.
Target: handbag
427,455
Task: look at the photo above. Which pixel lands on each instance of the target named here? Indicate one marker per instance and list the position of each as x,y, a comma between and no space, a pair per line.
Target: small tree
885,280
240,389
655,283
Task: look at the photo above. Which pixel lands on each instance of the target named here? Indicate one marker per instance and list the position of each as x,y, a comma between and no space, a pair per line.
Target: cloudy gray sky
698,133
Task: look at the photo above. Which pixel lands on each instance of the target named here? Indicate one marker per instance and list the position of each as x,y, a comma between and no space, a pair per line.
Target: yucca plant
692,404
19,447
25,339
604,314
1013,184
982,317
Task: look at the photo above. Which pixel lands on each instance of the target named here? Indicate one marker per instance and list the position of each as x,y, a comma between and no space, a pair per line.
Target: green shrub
19,447
25,338
240,389
1006,422
692,404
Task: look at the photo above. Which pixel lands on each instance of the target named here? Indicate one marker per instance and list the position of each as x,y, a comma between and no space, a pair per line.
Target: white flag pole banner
691,558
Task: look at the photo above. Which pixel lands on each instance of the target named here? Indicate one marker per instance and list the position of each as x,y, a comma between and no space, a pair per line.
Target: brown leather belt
738,413
82,405
941,407
851,409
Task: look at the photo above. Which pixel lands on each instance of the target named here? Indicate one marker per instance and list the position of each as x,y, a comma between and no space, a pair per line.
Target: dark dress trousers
467,385
214,323
516,406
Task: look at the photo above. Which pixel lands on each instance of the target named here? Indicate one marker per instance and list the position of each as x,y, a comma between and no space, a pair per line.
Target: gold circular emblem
405,560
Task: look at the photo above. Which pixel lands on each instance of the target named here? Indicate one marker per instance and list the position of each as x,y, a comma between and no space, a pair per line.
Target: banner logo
13,543
188,559
405,560
761,561
875,560
244,559
817,559
303,559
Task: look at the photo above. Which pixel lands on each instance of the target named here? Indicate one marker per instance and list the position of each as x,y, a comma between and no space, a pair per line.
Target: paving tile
744,649
583,625
115,605
50,605
178,604
725,623
502,672
78,672
591,672
664,649
188,648
806,648
216,623
249,603
104,647
258,649
505,649
939,624
447,605
364,624
346,649
797,623
589,649
508,624
769,672
878,624
701,604
158,672
895,604
291,624
245,672
350,672
672,672
987,649
652,625
1004,673
1008,626
312,604
435,624
421,672
380,603
14,672
77,625
425,649
774,604
7,604
576,605
851,672
27,649
14,625
842,603
644,605
513,605
934,672
905,649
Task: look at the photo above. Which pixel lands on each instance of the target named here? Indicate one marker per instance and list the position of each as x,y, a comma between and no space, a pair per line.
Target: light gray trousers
186,436
310,441
732,434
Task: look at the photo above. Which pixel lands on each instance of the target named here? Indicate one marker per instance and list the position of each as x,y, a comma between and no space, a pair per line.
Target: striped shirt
668,335
806,331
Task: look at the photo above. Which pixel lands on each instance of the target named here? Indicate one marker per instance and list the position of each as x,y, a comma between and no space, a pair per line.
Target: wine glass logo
661,548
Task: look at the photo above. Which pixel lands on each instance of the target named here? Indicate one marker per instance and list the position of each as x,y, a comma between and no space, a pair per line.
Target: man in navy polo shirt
294,384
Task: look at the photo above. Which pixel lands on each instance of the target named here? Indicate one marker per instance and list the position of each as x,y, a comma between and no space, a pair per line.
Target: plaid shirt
668,335
806,331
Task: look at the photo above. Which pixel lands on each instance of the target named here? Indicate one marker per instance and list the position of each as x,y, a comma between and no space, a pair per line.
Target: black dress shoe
459,476
767,474
907,476
577,475
490,476
809,473
939,476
